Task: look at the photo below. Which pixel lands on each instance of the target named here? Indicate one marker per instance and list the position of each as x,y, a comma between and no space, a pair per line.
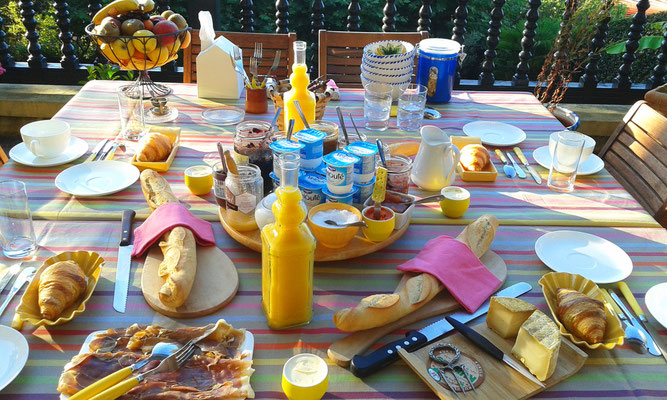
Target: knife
631,320
124,262
488,347
103,150
25,276
642,325
9,274
365,365
98,147
518,169
536,176
507,168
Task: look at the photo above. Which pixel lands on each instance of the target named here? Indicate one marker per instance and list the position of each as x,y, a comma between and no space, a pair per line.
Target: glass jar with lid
252,140
331,129
243,191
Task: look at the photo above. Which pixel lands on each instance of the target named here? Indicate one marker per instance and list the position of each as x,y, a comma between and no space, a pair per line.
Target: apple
122,49
166,14
108,29
130,26
148,24
113,20
157,18
178,19
144,45
160,55
165,27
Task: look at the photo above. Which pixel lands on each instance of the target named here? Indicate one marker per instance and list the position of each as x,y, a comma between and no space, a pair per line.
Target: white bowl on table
589,145
393,64
398,88
388,70
370,51
388,78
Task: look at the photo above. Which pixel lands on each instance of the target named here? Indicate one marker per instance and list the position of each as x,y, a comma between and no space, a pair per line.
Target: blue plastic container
437,67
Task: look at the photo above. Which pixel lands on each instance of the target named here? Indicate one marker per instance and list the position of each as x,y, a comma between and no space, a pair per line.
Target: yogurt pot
321,170
340,169
364,170
311,185
311,153
363,192
283,146
339,198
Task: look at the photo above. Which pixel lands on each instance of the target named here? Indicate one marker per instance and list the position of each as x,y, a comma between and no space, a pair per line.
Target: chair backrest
3,157
636,155
246,41
340,52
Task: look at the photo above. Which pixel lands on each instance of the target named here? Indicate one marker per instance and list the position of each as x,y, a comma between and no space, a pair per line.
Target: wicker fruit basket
322,97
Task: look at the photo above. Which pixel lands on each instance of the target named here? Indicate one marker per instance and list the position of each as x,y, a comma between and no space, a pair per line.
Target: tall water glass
565,161
411,104
130,108
17,234
377,105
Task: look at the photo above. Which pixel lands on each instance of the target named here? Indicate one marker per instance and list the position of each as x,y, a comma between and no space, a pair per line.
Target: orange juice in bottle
299,80
288,254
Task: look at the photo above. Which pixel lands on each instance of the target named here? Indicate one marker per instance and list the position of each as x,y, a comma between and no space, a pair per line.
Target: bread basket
322,97
174,134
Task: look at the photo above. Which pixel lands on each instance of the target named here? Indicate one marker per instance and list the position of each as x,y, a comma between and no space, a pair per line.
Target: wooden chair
636,155
340,52
3,157
246,41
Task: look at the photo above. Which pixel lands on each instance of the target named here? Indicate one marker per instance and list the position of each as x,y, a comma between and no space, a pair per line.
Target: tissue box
216,77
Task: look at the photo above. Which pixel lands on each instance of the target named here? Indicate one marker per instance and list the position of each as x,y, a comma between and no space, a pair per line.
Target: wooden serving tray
500,380
359,246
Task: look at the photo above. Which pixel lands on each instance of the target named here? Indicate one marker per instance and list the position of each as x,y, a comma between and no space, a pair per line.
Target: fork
235,58
274,67
254,65
259,47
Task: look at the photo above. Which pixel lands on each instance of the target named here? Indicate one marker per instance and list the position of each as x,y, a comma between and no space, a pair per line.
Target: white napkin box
216,77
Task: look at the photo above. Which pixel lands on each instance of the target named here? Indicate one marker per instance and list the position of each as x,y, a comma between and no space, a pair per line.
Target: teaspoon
633,335
357,223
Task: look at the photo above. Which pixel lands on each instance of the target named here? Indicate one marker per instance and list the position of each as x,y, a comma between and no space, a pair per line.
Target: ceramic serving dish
553,281
398,88
488,174
28,310
371,49
161,166
401,218
329,236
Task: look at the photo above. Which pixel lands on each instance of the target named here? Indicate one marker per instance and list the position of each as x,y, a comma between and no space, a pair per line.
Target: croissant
581,315
474,157
60,285
154,147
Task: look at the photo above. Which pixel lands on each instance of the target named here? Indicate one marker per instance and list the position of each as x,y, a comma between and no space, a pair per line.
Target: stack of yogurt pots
392,69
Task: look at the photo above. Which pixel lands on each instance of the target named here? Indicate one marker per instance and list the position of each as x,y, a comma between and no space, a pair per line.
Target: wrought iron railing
36,69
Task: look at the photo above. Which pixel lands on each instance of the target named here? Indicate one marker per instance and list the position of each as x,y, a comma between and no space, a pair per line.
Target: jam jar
252,140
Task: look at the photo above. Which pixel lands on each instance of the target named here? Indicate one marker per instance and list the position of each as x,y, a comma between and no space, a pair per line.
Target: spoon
300,111
221,152
342,125
381,152
363,139
633,335
356,223
231,164
431,113
290,129
429,199
275,117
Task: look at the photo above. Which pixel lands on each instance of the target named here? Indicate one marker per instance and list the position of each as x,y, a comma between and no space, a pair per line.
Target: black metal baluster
282,16
659,72
590,77
162,5
459,31
388,21
247,16
486,78
316,23
93,7
523,68
424,23
68,60
622,80
35,59
353,11
6,59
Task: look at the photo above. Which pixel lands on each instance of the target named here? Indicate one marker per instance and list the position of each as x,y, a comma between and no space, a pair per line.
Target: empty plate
656,302
592,165
22,155
97,178
14,350
495,133
581,253
223,115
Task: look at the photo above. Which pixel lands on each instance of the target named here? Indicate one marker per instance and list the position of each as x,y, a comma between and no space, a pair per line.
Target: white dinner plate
656,302
97,178
592,165
14,350
22,155
495,133
581,253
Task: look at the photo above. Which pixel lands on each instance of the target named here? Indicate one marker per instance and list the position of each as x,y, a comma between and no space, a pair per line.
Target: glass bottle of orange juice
299,80
288,254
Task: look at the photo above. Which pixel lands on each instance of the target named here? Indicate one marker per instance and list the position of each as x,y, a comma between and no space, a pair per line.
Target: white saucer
656,302
592,165
581,253
495,133
14,350
22,155
97,178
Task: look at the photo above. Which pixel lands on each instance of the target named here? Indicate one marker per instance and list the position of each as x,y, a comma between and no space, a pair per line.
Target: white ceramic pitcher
436,160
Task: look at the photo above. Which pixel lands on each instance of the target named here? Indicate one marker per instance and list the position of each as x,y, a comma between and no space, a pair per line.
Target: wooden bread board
215,285
500,380
359,246
342,351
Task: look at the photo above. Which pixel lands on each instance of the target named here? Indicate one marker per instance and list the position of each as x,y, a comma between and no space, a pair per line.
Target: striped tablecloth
93,114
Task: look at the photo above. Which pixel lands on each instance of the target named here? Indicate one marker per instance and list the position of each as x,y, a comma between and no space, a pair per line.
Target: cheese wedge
507,314
537,345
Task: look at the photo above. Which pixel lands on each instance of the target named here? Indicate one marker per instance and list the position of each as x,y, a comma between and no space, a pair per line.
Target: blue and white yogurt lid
322,169
371,183
286,146
362,149
310,135
312,181
340,158
326,191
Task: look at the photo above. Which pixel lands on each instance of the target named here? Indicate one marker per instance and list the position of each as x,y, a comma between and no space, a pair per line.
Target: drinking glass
130,107
565,161
17,234
398,172
377,105
411,104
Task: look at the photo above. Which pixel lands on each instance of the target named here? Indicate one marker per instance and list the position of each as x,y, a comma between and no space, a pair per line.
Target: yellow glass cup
456,201
305,377
378,231
199,179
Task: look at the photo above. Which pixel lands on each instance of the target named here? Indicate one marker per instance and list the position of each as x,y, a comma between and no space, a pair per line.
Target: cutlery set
104,148
24,276
515,169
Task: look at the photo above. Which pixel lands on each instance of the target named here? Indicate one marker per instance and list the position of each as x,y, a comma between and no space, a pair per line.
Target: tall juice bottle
288,254
299,80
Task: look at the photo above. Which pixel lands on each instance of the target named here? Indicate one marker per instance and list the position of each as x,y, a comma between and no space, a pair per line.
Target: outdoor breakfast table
599,206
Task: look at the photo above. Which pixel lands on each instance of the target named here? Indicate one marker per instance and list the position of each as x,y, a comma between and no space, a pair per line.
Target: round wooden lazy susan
359,246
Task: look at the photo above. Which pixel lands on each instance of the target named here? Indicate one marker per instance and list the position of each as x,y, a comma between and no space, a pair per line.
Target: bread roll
156,190
474,157
154,147
419,289
60,285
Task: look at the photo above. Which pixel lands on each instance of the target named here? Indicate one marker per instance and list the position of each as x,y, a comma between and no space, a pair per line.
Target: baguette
415,291
179,248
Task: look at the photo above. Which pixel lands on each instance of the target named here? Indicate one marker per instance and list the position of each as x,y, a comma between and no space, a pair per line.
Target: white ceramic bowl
589,145
391,78
388,63
398,88
388,70
370,51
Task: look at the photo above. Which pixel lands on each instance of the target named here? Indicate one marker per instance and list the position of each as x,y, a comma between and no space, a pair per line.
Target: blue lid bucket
437,67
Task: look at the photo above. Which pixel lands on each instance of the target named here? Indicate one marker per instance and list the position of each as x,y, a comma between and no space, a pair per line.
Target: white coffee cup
589,145
47,138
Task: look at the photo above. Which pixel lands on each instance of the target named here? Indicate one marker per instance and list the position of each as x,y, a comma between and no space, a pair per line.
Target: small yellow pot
311,385
199,179
378,231
330,236
456,202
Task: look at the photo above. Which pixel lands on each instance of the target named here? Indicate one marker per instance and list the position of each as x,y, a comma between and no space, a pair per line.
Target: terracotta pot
567,117
657,98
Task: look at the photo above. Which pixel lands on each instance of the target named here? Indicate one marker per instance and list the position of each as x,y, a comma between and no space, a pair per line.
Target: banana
114,8
146,5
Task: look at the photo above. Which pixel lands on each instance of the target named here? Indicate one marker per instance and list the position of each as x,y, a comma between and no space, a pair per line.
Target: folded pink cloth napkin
166,217
457,267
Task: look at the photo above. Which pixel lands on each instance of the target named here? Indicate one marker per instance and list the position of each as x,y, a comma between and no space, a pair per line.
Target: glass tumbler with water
565,161
411,104
377,105
17,234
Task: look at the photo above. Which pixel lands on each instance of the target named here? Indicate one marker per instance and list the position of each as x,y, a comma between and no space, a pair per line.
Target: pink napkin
457,267
163,219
